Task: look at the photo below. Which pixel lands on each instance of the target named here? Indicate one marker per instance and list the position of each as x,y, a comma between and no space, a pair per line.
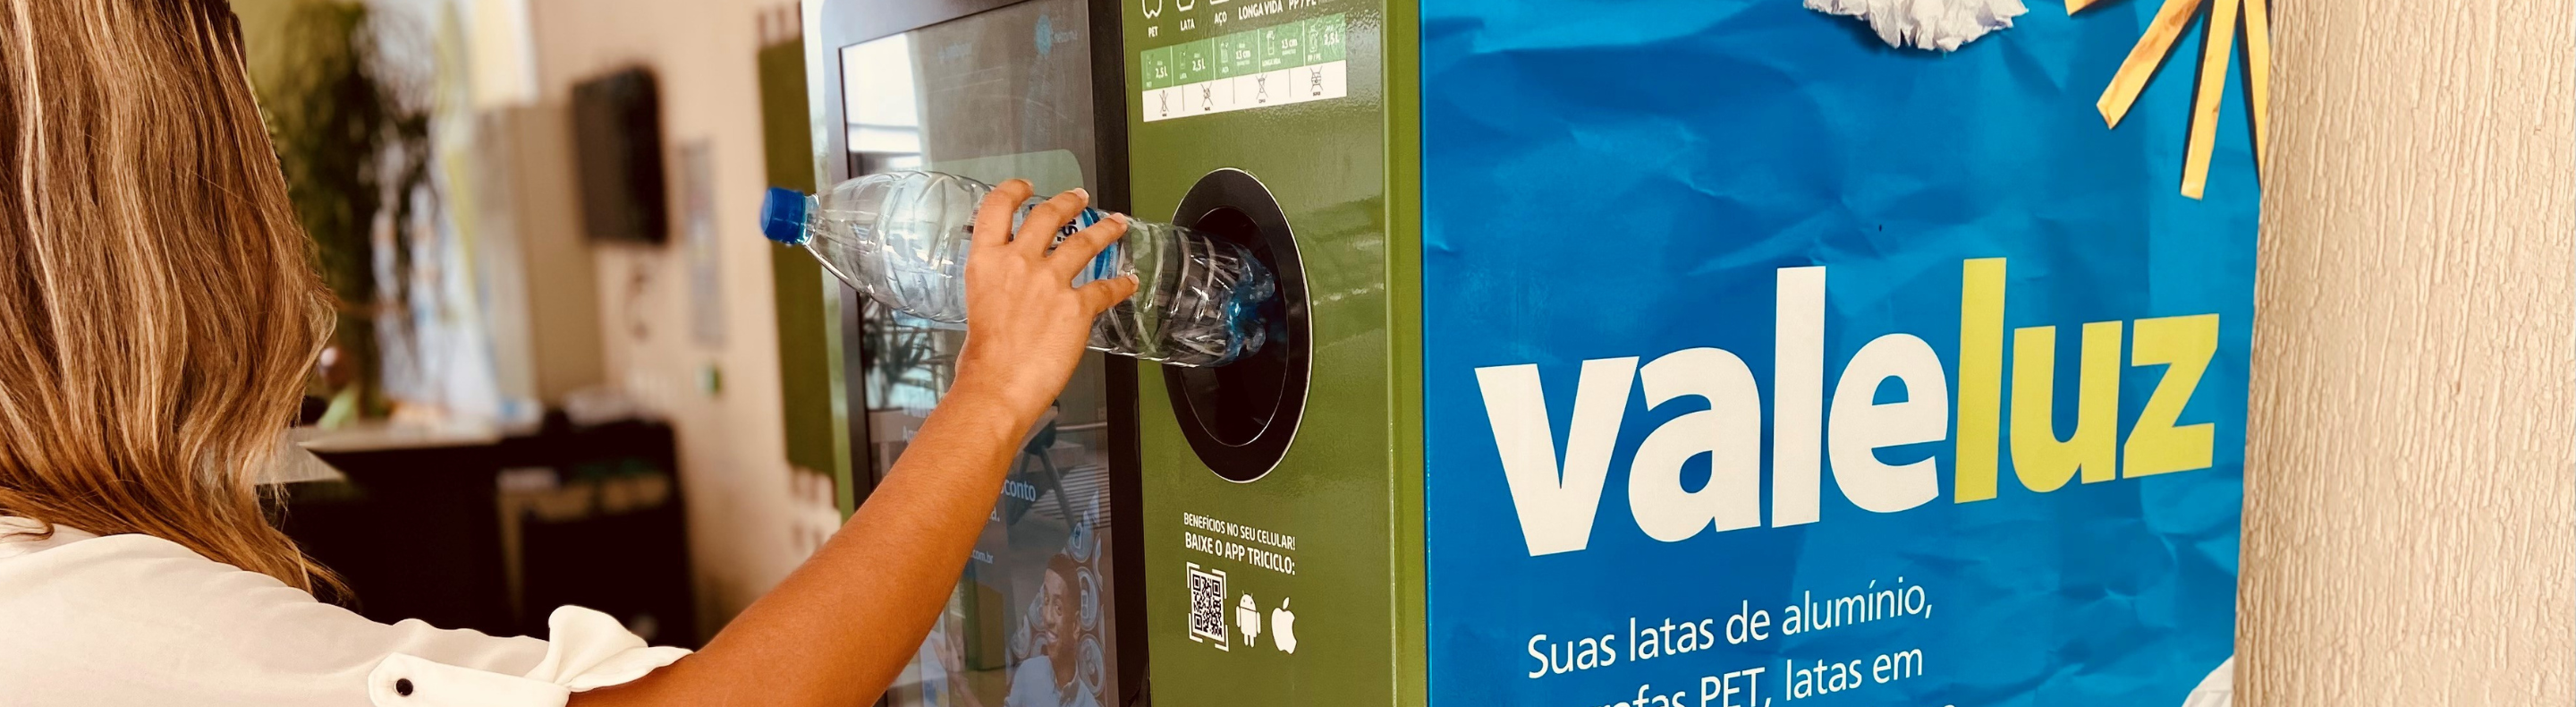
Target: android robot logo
1250,619
1283,628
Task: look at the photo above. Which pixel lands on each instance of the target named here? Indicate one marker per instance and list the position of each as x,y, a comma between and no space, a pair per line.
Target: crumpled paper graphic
1944,25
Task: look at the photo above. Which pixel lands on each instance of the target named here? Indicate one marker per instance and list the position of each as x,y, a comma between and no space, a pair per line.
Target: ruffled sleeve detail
585,650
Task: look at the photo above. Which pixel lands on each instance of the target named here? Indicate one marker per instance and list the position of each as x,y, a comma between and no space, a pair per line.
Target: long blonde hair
160,310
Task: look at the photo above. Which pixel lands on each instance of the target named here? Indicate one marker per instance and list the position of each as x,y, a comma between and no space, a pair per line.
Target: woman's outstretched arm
840,628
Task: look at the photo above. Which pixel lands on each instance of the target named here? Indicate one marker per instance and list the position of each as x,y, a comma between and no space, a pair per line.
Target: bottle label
1103,266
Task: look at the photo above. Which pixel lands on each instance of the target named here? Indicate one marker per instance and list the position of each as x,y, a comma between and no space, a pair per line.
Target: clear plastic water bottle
901,239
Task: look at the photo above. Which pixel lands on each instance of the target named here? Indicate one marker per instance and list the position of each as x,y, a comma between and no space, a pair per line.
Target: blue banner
1766,364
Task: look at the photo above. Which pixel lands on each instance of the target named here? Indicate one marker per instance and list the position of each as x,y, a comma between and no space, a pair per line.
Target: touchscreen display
1002,94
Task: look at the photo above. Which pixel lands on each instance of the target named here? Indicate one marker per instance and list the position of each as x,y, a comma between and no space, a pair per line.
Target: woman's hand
1025,322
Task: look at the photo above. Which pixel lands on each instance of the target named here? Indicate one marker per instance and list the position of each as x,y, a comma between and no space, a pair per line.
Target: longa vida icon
1283,631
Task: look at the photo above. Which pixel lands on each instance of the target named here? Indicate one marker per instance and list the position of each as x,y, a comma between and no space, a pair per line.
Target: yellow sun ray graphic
2150,52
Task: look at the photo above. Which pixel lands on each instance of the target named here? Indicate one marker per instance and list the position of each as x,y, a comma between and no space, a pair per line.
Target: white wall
2408,483
732,458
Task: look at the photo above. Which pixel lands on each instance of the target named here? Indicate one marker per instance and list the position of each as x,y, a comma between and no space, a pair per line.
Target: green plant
351,129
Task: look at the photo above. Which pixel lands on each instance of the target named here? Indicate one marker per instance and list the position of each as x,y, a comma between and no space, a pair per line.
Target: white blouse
136,620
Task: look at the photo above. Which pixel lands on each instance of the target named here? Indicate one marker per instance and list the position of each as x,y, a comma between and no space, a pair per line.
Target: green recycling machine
1639,354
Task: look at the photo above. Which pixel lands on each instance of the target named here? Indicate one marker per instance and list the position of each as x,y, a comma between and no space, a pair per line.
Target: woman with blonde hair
161,318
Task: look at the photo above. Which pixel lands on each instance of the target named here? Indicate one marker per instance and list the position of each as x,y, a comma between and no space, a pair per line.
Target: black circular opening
1233,403
1240,417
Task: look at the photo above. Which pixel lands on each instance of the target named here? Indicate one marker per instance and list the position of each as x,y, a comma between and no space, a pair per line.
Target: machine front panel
1767,365
1271,584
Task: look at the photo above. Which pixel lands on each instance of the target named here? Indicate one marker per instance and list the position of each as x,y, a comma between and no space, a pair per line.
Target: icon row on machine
1301,84
1283,625
1208,620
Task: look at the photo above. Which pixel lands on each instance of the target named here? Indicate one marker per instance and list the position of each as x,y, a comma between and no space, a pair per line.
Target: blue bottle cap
782,216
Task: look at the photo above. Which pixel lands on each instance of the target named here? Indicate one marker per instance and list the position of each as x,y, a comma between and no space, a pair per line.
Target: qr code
1207,606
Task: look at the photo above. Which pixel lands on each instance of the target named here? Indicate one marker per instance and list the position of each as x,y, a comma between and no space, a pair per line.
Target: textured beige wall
743,511
2409,493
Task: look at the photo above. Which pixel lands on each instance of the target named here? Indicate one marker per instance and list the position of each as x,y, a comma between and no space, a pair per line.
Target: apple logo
1283,632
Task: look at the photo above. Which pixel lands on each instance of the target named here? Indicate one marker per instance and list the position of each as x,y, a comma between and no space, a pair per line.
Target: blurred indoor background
557,373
